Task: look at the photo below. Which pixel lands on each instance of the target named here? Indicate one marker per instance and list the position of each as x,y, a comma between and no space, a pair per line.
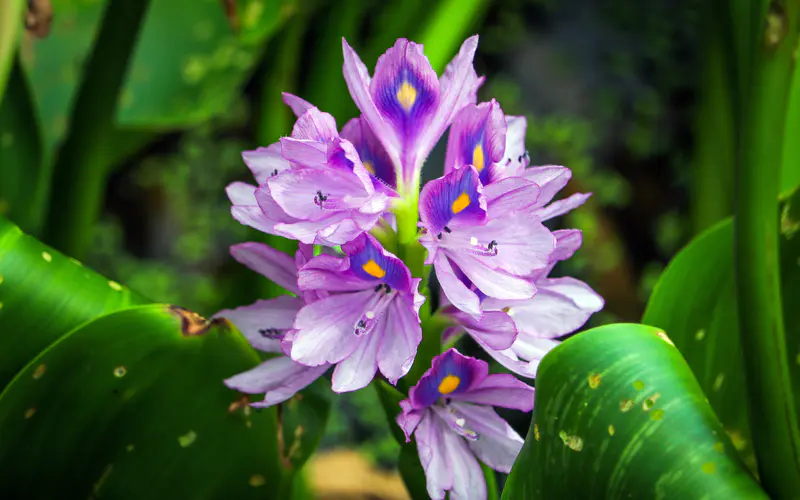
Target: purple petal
509,359
370,150
430,436
500,389
561,207
458,86
568,241
532,348
477,138
510,195
299,106
241,193
409,419
325,329
405,90
493,282
265,162
279,378
456,291
561,306
399,341
372,263
515,159
315,125
335,229
357,370
304,152
468,480
275,265
499,444
496,329
332,274
312,194
456,196
265,322
550,178
451,373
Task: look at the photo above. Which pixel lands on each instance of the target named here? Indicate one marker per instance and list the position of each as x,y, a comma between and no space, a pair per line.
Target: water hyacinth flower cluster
370,242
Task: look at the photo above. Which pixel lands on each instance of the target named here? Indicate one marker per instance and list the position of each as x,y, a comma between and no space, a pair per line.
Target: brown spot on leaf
37,374
39,17
192,323
240,404
231,13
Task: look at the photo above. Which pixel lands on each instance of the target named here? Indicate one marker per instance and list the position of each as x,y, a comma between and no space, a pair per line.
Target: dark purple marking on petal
369,261
451,373
370,150
477,138
405,88
457,195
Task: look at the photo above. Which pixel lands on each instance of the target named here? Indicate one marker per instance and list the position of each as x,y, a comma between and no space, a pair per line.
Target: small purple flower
518,333
406,105
313,186
367,320
475,235
267,323
449,413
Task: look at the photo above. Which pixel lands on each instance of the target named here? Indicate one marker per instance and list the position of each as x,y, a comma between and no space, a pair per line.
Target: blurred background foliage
122,162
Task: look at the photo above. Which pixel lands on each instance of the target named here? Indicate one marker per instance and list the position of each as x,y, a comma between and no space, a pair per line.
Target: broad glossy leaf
619,415
10,26
44,295
790,170
694,301
189,61
132,405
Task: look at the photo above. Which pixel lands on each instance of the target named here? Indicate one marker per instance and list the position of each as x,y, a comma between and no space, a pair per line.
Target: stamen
274,172
388,288
320,198
439,236
378,288
370,315
447,230
270,333
492,244
473,241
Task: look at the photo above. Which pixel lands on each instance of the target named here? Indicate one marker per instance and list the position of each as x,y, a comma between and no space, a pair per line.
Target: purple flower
367,318
313,186
478,235
406,105
449,413
267,323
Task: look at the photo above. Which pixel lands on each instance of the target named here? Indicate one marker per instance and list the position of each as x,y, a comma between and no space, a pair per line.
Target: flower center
478,160
449,384
406,95
373,269
460,203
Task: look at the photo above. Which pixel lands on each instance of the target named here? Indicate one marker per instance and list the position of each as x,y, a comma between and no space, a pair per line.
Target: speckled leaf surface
191,58
619,415
694,301
43,295
132,405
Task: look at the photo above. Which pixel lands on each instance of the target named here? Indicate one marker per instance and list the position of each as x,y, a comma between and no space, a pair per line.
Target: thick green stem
772,411
82,167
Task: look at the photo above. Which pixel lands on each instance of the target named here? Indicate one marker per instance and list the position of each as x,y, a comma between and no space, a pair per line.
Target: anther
275,172
388,288
439,236
492,244
378,288
447,230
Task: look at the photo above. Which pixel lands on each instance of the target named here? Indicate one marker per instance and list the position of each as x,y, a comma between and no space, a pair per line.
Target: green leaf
412,472
619,415
23,178
44,295
132,405
694,301
390,401
10,24
447,27
790,170
189,62
64,52
302,420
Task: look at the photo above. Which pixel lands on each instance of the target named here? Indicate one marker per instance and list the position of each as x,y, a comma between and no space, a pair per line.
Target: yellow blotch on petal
461,203
373,269
406,96
449,384
478,160
369,167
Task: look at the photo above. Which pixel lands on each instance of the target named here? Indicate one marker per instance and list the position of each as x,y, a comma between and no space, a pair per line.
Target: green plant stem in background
10,24
769,389
446,28
82,166
790,170
713,163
